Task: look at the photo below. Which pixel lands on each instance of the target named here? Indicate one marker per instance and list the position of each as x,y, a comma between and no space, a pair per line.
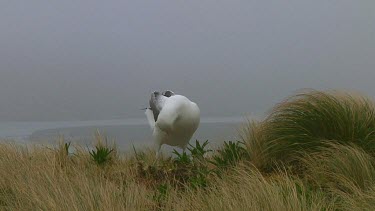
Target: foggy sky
78,60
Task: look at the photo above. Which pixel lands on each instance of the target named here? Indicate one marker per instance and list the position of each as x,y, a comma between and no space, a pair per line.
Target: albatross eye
168,93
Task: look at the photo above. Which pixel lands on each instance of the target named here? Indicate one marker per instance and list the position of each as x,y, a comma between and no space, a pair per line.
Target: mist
92,60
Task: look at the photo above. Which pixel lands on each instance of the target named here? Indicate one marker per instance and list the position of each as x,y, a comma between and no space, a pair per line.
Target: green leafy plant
188,172
66,147
61,152
199,170
198,151
139,156
161,194
230,154
199,179
101,154
182,158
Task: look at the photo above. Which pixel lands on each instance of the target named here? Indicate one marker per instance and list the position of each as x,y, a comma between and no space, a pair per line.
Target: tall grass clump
302,122
346,168
229,155
346,173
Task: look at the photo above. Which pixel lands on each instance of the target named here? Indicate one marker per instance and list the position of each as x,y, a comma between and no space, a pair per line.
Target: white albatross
173,119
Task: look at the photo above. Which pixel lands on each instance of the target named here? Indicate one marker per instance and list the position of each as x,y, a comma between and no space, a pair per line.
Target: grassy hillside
314,151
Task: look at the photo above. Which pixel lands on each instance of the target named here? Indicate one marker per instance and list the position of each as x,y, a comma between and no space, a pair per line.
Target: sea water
124,132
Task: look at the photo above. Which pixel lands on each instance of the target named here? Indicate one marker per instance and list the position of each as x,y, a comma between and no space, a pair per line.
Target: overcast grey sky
69,60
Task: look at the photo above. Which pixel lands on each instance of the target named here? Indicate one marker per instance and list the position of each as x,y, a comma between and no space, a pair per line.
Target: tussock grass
306,122
345,172
341,167
315,151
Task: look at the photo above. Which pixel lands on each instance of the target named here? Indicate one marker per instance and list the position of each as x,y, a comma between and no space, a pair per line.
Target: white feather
150,118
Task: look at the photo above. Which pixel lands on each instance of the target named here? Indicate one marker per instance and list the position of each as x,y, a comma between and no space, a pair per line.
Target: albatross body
172,118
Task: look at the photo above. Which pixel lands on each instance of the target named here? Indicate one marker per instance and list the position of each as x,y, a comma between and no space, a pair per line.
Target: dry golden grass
38,178
247,189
